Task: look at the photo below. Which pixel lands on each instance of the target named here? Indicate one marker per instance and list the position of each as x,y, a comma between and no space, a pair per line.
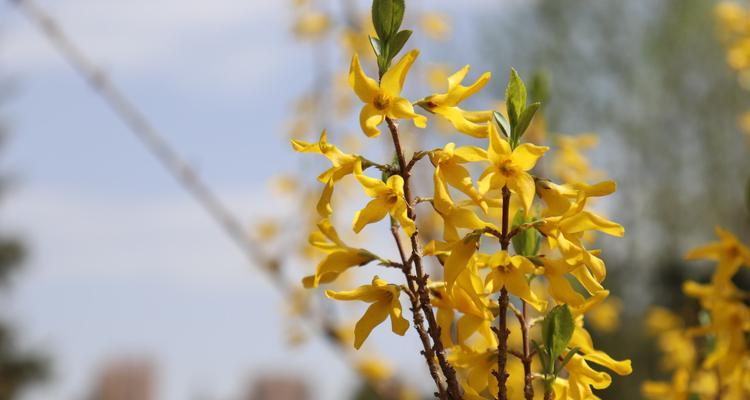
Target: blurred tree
19,369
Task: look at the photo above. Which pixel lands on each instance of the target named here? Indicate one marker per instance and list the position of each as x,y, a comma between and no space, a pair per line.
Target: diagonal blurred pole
140,126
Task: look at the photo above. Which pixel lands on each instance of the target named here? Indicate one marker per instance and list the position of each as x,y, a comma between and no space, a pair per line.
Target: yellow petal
374,211
399,324
324,204
393,79
369,119
517,284
523,185
374,316
470,154
526,155
372,187
365,87
458,260
402,109
499,147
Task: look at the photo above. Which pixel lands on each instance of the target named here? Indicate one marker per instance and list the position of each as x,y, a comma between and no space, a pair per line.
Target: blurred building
278,387
126,379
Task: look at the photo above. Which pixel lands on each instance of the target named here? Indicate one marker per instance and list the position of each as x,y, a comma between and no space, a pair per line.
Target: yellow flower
555,270
384,299
446,104
678,389
375,369
581,378
435,25
605,317
510,272
728,251
467,297
566,231
340,257
569,162
384,99
312,25
454,216
475,363
509,167
388,198
342,165
448,169
582,339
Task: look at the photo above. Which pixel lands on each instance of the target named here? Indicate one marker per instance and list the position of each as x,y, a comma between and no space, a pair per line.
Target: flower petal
393,79
365,87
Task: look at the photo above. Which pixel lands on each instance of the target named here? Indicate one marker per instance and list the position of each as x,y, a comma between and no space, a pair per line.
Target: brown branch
427,352
453,389
502,331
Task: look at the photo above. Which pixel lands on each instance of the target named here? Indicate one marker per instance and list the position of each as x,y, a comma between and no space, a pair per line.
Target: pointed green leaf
387,16
397,43
557,329
565,360
525,120
515,97
502,123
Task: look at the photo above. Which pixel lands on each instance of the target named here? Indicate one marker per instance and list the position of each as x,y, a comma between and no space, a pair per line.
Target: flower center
507,168
381,101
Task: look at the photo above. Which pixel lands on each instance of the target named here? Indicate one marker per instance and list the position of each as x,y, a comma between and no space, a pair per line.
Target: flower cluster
711,360
511,242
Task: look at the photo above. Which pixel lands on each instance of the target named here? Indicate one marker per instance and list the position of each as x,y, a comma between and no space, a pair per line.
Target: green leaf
397,43
387,16
515,97
526,242
565,360
747,196
525,120
557,329
502,123
375,43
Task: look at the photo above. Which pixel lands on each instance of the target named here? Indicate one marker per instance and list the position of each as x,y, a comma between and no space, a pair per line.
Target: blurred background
115,284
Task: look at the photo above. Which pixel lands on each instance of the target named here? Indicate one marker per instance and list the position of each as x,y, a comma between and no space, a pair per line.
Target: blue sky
122,261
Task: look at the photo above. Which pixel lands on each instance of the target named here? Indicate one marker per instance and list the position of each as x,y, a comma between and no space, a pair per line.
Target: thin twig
502,331
453,389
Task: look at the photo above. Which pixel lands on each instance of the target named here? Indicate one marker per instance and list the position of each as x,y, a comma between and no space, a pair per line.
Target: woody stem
453,390
502,331
428,353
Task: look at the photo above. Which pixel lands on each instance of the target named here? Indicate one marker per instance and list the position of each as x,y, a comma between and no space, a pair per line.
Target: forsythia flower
569,164
728,251
384,299
435,25
510,272
384,99
510,167
473,123
448,168
342,165
388,198
340,257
